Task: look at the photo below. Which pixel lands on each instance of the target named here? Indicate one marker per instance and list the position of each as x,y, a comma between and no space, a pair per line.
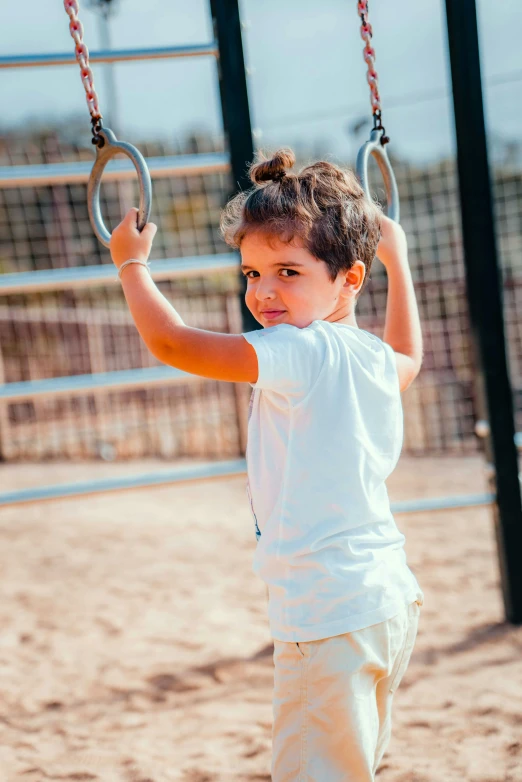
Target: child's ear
355,277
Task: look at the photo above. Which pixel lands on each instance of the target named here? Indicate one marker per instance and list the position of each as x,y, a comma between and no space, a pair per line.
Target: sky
306,76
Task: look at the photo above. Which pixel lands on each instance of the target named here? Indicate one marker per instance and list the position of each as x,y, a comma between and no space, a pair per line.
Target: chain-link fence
89,331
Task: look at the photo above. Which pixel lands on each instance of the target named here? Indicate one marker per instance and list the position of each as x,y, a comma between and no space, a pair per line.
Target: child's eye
252,271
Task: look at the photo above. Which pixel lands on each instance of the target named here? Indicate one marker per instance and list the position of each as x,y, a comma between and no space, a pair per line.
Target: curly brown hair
322,205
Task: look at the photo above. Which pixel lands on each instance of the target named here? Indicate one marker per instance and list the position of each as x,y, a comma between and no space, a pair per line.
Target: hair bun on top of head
272,170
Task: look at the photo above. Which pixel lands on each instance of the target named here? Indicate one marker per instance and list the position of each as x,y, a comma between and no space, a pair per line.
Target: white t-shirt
325,431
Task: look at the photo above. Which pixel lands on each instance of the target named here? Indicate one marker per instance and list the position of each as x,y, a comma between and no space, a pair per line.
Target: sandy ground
135,646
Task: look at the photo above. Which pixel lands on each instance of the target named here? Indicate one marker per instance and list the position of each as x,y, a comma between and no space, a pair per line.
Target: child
325,432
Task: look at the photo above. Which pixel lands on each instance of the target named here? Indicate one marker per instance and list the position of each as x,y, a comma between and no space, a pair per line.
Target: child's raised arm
205,353
402,328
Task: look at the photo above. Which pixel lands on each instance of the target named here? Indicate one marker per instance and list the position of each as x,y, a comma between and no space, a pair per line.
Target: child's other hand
392,246
127,242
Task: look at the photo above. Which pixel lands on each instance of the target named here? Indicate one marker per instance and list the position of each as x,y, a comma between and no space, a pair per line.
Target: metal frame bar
484,286
97,383
118,170
235,108
209,470
442,503
113,55
212,470
90,276
80,316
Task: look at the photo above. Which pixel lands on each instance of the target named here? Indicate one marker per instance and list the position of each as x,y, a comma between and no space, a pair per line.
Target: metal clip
111,147
374,147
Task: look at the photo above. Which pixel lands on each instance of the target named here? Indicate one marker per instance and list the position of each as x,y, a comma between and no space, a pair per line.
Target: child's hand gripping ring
111,147
375,148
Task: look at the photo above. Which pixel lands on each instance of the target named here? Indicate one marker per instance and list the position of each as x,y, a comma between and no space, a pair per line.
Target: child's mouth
272,314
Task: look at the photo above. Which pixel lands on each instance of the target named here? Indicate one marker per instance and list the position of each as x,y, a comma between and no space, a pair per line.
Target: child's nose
264,290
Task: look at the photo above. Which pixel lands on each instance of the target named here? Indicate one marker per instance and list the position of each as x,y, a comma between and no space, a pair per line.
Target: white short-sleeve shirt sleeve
289,359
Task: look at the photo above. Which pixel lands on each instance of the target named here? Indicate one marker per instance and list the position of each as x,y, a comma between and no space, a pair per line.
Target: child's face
295,285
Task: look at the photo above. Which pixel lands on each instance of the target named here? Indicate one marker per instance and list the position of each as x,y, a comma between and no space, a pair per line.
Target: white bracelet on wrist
133,260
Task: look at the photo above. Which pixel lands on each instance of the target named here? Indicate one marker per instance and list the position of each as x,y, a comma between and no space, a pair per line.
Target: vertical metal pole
235,108
484,286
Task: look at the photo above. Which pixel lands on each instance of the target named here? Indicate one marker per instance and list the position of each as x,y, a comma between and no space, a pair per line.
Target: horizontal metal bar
117,170
89,276
80,316
210,470
207,471
109,55
442,503
100,382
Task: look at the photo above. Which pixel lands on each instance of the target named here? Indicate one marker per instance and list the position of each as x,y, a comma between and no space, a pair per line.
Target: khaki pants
333,698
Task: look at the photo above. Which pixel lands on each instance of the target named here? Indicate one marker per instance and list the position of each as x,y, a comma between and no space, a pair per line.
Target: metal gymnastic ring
111,147
375,148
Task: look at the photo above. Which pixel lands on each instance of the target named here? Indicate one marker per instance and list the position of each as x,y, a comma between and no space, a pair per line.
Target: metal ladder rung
88,276
117,170
98,383
209,470
213,470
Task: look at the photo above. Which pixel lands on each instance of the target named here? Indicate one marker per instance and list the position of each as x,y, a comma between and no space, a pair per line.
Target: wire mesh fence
85,331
